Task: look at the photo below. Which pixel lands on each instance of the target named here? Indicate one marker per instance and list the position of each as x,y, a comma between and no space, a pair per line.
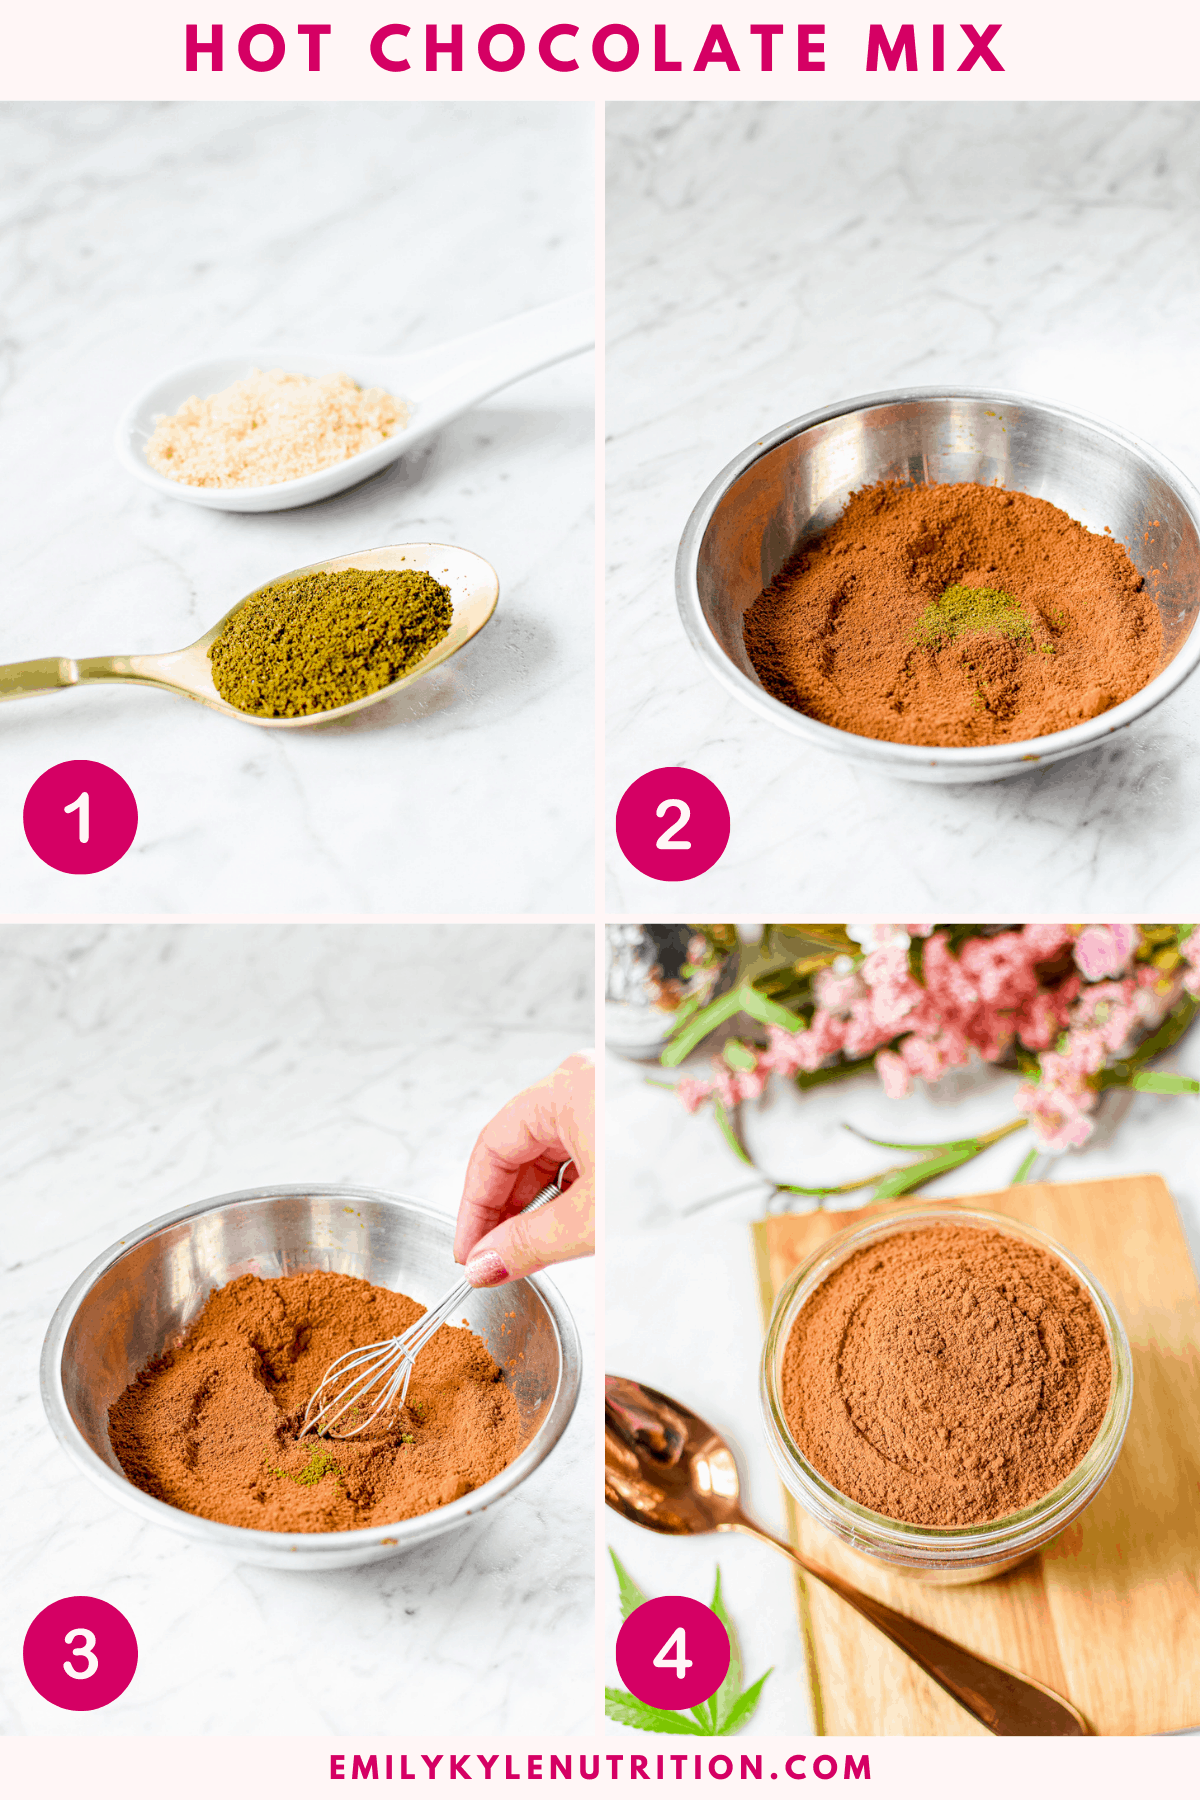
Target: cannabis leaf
723,1713
631,1594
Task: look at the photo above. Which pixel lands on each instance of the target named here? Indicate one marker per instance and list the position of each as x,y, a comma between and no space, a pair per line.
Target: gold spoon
474,589
666,1469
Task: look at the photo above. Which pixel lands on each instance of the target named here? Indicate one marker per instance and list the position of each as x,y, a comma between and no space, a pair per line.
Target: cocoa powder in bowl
946,1375
954,614
212,1425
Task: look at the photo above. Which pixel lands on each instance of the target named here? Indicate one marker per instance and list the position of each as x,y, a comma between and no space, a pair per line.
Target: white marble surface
161,1064
766,260
681,1298
138,237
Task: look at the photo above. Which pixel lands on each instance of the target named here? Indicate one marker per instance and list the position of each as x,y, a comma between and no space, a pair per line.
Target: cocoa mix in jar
947,1375
954,614
212,1426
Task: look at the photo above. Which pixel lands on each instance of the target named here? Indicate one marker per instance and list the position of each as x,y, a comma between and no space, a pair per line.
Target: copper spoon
668,1470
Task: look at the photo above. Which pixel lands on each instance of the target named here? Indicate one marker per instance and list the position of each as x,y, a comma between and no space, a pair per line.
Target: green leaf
1024,1167
631,1594
768,1012
625,1709
1168,1033
742,1708
727,1694
729,1131
1150,1081
793,1187
891,1144
739,1055
703,1713
686,1008
727,1006
806,1078
785,985
902,1181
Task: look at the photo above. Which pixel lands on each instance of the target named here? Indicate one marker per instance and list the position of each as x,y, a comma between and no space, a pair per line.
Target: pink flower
724,1082
991,1032
1045,941
1001,969
874,937
693,1093
749,1083
1045,1014
931,1056
918,930
1102,950
837,993
886,967
1056,1124
893,1072
1068,1072
1109,1008
894,993
951,994
790,1051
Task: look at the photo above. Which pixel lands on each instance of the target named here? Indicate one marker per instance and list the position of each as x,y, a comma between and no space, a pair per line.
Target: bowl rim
245,1538
883,751
1007,1532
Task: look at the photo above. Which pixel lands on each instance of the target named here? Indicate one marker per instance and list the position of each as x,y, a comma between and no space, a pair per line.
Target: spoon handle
1010,1705
51,674
468,369
45,675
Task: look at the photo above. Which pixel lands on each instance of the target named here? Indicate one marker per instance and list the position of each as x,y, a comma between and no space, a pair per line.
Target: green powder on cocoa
961,610
319,1465
309,643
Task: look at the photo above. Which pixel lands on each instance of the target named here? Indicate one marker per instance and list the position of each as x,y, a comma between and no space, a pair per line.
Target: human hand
514,1157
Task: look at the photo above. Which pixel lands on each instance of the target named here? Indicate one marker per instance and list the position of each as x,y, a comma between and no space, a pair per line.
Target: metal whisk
376,1376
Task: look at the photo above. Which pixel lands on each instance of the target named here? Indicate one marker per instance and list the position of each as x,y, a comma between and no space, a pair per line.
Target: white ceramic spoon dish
435,385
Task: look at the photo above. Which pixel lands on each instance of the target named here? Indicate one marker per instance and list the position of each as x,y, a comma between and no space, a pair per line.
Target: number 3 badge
80,1653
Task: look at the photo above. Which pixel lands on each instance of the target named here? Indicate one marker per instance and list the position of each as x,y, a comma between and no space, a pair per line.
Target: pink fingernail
487,1270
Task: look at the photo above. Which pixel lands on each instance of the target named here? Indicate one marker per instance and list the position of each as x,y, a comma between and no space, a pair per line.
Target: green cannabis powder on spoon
309,643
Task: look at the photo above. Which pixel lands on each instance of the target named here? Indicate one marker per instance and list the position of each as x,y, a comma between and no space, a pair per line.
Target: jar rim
949,1543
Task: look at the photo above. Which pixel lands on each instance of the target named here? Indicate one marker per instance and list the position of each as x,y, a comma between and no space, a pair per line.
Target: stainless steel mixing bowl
139,1297
794,482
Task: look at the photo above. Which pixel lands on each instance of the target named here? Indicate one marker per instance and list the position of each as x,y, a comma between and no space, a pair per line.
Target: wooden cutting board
1109,1613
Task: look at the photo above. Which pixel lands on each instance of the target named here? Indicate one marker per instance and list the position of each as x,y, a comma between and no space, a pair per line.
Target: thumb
528,1242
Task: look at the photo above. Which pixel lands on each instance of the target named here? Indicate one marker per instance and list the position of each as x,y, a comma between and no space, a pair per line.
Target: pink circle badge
80,817
80,1653
673,1652
672,824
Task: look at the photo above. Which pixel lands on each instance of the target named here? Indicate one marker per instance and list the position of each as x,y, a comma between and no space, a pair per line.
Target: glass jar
944,1554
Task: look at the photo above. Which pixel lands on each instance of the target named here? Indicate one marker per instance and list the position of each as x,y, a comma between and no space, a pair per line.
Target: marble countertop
766,260
681,1296
161,1064
136,237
